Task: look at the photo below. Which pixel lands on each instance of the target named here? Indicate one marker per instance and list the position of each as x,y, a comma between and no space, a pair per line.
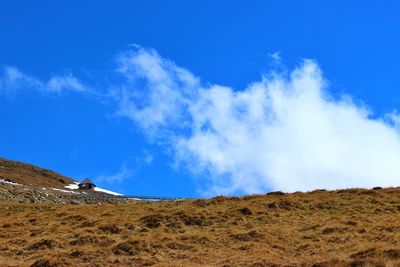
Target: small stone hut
86,184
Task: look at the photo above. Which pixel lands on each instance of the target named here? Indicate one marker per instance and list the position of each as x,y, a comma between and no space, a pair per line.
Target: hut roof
86,181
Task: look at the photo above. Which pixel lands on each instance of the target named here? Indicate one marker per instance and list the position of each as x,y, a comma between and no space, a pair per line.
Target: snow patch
8,182
98,189
75,186
72,186
65,191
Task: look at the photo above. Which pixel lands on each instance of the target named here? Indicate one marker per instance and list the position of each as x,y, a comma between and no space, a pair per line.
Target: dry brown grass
341,228
28,174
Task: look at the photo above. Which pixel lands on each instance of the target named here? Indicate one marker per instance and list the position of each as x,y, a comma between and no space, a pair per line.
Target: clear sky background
59,126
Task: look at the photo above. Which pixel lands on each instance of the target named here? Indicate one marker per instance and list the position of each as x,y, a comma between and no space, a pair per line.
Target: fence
153,198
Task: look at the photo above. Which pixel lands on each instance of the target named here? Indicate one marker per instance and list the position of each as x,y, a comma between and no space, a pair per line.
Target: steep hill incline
354,227
28,174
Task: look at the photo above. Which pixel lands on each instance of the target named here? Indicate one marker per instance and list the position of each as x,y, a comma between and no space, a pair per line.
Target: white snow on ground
65,191
7,182
72,186
107,191
98,189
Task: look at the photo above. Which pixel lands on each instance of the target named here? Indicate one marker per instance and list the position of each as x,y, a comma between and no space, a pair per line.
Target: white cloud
280,133
122,174
13,80
145,158
66,82
276,56
152,81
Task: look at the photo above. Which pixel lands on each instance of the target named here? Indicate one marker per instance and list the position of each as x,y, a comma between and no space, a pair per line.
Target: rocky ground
28,194
27,183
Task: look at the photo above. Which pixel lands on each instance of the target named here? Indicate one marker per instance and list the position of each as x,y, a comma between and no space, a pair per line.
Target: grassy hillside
323,228
28,174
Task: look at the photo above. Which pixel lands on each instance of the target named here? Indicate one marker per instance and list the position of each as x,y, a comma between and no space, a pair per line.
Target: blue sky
65,111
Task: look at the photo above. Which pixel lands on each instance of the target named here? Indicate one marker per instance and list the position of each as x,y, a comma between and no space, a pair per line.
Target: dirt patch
152,221
367,253
43,263
88,240
248,236
194,220
246,211
393,254
111,229
42,244
178,246
133,247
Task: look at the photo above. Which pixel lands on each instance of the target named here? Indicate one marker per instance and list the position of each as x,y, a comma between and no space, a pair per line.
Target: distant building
86,184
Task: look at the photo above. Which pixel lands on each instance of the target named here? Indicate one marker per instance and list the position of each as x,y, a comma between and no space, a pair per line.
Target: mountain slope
28,174
353,227
323,228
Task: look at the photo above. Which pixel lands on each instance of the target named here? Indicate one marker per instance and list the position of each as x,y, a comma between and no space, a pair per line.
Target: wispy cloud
13,80
283,132
66,82
276,56
123,174
152,81
145,158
